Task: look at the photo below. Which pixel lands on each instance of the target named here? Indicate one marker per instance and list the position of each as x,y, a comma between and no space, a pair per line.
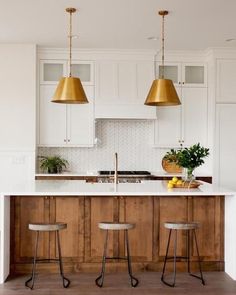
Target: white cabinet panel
65,125
226,77
52,118
195,118
80,122
127,83
168,125
106,83
121,89
226,145
186,124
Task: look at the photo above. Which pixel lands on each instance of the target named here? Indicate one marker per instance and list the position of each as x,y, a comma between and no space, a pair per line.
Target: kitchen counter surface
81,188
95,173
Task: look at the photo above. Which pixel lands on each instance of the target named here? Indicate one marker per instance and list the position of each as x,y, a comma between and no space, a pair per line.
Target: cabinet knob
64,140
68,140
179,83
183,83
45,198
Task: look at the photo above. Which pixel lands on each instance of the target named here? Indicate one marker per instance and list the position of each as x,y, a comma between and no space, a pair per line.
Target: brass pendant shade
70,89
162,91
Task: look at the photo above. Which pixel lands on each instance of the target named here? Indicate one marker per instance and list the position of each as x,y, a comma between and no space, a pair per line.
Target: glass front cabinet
65,124
186,124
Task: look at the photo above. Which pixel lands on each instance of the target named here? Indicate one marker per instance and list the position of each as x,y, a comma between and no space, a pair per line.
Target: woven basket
171,167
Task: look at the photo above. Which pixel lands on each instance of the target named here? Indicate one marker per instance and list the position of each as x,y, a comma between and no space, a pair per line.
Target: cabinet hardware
68,140
45,198
64,140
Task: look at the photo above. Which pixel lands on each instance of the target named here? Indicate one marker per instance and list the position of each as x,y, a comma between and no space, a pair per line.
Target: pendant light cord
70,42
162,47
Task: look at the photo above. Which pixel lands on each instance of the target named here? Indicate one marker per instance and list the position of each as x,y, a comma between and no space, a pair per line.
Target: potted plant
53,164
169,162
191,158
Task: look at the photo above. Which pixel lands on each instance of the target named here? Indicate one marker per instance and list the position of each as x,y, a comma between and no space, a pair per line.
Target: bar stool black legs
134,282
34,264
187,257
100,279
65,281
30,282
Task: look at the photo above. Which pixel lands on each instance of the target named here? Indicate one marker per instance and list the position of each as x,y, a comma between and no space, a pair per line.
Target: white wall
17,109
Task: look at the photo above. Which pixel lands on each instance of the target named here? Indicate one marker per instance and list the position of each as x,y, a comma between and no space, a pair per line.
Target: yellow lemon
179,182
170,185
174,179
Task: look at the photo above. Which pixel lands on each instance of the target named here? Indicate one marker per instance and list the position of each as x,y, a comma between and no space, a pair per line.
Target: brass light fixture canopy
70,89
162,92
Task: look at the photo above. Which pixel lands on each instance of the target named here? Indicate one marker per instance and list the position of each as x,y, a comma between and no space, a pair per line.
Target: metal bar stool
116,226
41,227
181,226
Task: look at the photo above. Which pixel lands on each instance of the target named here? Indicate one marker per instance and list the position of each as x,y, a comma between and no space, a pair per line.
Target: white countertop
81,188
95,173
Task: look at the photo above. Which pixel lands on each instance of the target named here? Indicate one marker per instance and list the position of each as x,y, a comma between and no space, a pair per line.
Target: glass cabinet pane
170,72
194,74
82,71
52,72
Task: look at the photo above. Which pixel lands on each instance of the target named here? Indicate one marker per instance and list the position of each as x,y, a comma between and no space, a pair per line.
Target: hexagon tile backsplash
131,139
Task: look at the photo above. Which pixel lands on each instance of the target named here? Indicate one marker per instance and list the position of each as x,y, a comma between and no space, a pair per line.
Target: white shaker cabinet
186,124
65,124
121,89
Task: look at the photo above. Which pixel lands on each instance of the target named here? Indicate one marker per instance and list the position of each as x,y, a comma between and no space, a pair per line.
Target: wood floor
118,284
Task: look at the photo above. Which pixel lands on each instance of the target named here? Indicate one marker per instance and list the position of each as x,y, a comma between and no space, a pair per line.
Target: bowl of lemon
175,182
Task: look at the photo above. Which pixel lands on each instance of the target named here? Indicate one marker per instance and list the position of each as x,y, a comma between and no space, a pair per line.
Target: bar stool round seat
187,226
42,227
115,225
181,225
47,226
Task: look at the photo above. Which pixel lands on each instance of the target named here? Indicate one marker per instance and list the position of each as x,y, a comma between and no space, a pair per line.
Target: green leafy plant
54,164
172,155
192,157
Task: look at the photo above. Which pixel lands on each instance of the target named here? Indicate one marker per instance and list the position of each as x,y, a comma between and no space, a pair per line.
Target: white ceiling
191,24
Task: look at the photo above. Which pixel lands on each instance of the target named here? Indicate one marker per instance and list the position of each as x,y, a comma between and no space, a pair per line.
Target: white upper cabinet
121,88
186,124
185,74
225,81
52,70
65,124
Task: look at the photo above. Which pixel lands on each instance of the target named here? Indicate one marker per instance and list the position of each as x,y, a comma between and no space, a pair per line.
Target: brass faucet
116,169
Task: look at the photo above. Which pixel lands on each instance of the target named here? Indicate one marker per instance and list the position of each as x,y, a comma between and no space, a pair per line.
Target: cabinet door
71,211
170,71
172,209
137,210
194,116
80,121
98,209
83,70
121,89
194,75
29,210
52,118
209,212
51,71
168,125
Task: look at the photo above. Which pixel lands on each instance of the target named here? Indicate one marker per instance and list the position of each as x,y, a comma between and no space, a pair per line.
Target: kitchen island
82,205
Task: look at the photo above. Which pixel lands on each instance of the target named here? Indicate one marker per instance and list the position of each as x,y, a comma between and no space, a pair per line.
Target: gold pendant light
162,92
70,89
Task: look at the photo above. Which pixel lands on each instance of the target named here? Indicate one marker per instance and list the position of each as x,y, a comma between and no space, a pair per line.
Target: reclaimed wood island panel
82,241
